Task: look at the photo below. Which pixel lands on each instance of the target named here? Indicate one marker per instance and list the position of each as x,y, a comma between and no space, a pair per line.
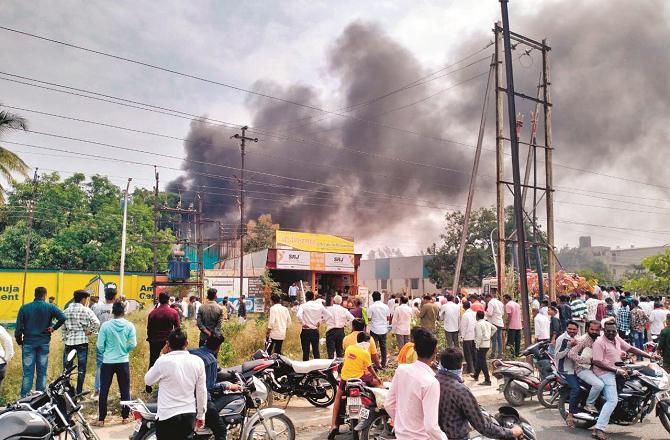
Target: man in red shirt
162,321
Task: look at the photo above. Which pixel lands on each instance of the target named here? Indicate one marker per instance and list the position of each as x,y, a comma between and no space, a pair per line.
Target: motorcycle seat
312,365
230,374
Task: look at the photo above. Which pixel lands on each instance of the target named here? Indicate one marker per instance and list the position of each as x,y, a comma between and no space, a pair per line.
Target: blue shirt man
217,400
34,326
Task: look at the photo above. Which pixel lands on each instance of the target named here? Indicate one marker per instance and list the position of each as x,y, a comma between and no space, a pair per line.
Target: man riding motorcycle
216,400
607,351
581,355
458,406
566,366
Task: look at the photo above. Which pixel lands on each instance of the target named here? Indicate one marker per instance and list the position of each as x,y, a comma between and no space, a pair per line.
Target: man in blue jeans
607,351
80,321
34,326
566,366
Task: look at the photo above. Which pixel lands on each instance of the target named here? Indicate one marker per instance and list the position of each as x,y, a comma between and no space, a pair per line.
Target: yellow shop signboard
61,285
305,241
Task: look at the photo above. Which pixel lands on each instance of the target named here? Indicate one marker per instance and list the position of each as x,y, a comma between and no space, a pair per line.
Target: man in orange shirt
476,305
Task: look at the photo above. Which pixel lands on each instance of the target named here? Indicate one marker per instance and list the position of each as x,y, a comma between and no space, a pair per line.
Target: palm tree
10,163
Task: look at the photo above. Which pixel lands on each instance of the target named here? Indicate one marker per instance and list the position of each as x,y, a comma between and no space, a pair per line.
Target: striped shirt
579,310
79,320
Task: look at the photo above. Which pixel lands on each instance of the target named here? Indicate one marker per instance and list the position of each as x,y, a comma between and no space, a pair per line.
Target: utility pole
29,233
122,266
549,176
500,162
473,182
154,242
516,174
243,138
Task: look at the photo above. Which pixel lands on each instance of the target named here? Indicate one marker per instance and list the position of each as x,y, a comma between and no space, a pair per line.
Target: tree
657,278
10,163
77,225
260,233
478,259
581,261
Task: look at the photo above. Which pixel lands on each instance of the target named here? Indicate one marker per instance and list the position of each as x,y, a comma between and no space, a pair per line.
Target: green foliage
260,233
478,259
10,163
583,262
657,280
77,225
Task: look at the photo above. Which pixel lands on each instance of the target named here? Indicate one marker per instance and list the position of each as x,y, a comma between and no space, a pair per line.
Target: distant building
619,262
408,275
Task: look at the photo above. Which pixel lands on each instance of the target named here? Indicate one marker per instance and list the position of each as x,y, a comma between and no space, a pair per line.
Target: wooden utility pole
473,182
549,177
500,162
243,138
516,174
29,233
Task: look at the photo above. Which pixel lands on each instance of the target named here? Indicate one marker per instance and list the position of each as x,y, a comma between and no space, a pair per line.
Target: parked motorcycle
47,415
373,422
518,380
646,388
314,380
242,415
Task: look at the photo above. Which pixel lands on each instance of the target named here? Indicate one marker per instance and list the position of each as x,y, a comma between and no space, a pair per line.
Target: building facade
399,275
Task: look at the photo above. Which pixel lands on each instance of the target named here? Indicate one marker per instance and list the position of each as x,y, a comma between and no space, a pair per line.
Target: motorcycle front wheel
279,427
547,392
379,429
665,420
329,386
514,394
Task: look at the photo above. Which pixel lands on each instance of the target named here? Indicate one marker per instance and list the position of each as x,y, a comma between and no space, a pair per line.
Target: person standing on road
657,319
80,321
182,390
483,332
278,322
458,406
663,347
607,351
242,310
494,313
578,312
564,311
402,322
450,315
623,318
311,314
554,326
638,323
339,318
467,328
414,396
103,311
116,340
542,327
6,352
566,367
378,314
293,293
429,314
34,326
210,317
513,324
160,323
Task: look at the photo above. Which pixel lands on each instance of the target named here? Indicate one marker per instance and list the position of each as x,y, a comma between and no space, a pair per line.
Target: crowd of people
588,333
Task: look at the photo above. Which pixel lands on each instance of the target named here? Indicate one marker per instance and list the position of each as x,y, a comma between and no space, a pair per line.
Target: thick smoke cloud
610,92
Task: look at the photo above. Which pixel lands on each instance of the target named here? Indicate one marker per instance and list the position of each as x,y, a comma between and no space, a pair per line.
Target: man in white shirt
6,352
311,315
339,317
657,319
592,307
182,392
402,322
392,303
647,305
414,396
494,313
378,314
279,320
542,328
467,329
293,293
450,315
535,305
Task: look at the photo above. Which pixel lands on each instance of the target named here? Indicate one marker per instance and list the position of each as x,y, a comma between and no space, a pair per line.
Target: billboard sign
296,260
305,241
339,262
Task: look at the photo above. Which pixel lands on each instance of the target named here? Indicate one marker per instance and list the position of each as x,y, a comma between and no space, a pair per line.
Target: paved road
548,425
312,423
